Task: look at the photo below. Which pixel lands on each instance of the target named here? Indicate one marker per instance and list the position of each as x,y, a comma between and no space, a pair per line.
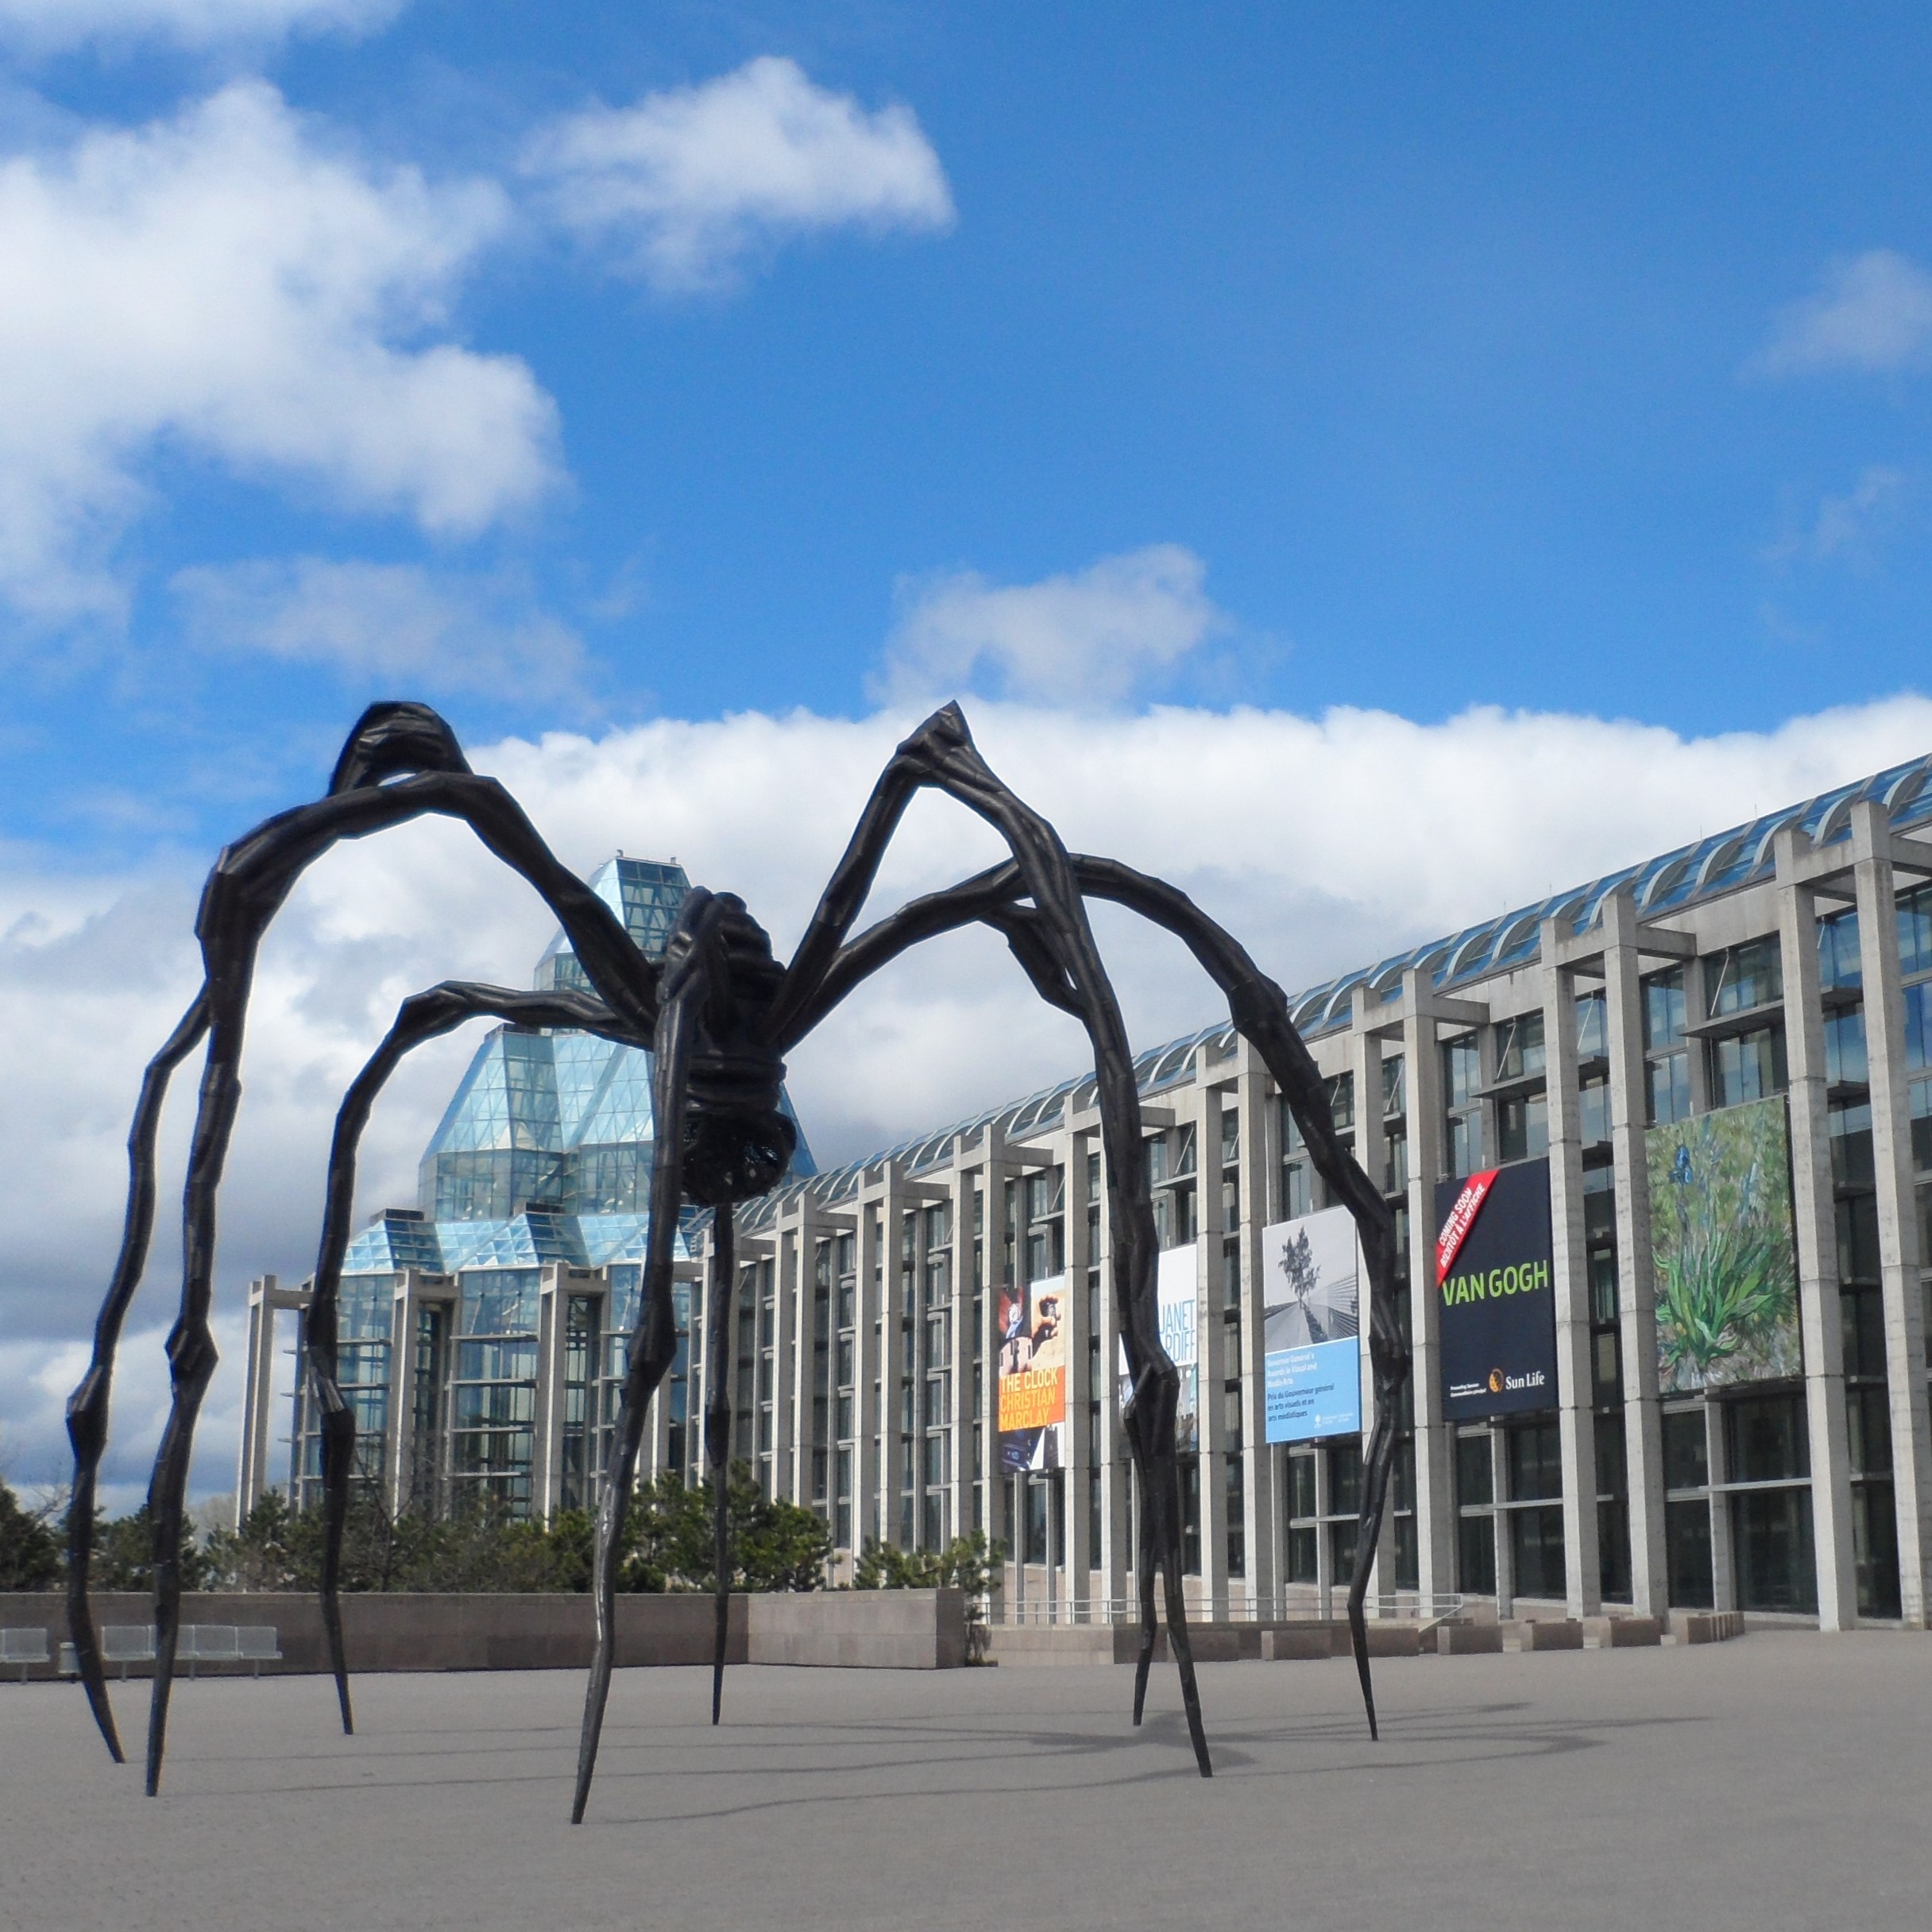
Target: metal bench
255,1644
122,1643
199,1643
25,1647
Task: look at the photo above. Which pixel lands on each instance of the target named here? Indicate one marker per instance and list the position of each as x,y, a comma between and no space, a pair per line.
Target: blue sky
1375,466
1437,337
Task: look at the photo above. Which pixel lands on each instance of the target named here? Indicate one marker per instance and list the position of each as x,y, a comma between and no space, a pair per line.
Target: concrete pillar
1081,1556
1434,1500
1210,1353
1253,1096
1900,1260
1364,1068
547,1471
255,1475
1623,1002
1820,1320
1569,1279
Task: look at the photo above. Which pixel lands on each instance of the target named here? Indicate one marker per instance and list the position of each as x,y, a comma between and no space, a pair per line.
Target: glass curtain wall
493,1393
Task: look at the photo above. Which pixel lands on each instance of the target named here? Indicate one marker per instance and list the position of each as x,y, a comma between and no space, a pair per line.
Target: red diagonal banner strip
1462,1219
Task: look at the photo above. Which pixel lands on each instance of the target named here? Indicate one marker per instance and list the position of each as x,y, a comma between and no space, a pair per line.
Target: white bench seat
24,1647
197,1643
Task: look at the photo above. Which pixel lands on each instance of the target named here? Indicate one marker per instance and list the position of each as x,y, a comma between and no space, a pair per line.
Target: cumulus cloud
1319,841
1091,637
228,280
1872,313
437,630
685,183
46,26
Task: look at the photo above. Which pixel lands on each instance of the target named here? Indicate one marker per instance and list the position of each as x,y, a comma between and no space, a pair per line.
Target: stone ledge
881,1629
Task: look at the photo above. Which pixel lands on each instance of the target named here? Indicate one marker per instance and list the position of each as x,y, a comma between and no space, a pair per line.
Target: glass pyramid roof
545,1151
644,893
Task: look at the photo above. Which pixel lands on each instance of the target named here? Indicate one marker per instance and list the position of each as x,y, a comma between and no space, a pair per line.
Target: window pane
1845,1049
1663,1008
1850,1130
1742,977
1535,1461
1837,951
1771,1542
1686,1529
1765,1439
1537,1538
1592,1040
1473,1480
1594,1112
1915,931
1670,1088
1476,1556
1686,1449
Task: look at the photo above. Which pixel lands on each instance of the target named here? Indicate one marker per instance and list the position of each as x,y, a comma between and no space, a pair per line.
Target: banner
1311,1327
1032,1372
1178,1289
1721,1246
1175,1297
1497,1305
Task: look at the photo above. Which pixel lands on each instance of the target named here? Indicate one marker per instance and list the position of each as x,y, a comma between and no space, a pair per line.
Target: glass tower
484,1331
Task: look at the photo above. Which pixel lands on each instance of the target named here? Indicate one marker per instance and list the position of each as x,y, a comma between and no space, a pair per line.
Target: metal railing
1005,1610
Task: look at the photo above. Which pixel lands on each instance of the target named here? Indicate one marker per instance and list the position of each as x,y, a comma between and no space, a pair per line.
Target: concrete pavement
1778,1782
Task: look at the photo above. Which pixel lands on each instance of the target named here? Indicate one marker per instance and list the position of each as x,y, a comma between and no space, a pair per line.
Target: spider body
718,1014
737,1141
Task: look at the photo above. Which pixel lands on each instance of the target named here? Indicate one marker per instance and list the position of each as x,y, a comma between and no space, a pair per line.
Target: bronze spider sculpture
718,1015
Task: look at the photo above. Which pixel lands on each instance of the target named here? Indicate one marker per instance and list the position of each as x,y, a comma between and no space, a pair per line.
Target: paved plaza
1777,1782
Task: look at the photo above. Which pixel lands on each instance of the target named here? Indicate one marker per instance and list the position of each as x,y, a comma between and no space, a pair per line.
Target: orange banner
1033,1399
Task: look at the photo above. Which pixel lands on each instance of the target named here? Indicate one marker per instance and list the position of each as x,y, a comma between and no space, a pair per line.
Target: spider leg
717,1434
1147,1573
1260,1011
654,1342
87,1409
249,884
941,754
421,1017
191,1357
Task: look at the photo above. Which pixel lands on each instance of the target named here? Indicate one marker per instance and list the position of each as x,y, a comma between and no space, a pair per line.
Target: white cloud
1091,636
1321,842
226,281
46,26
436,629
1873,313
687,183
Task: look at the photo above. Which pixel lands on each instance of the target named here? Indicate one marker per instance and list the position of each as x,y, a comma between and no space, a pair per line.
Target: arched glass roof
1723,863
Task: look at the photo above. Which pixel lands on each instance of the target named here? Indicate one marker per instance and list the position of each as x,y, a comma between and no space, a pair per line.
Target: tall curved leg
1146,1572
401,763
1260,1011
87,1409
421,1017
654,1342
192,1357
1058,935
717,1435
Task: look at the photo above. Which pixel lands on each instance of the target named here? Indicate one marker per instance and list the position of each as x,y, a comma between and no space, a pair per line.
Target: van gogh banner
1312,1323
1032,1370
1492,1279
1721,1246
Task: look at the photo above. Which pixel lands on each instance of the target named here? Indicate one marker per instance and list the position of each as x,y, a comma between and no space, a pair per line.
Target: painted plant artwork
1723,1247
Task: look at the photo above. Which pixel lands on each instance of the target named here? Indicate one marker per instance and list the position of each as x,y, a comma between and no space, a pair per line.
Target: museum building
1667,1141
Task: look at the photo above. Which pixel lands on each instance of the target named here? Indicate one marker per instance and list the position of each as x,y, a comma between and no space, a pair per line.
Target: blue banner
1314,1392
1311,1276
